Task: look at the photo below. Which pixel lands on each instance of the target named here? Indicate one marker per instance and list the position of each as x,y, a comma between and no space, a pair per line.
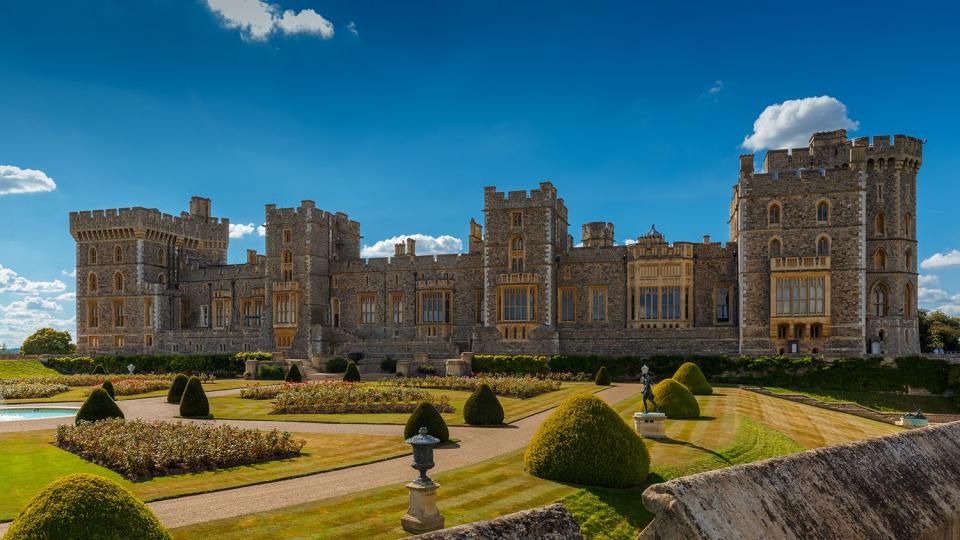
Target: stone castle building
821,260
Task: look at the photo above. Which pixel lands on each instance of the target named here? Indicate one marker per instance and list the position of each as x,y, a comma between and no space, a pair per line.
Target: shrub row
511,365
220,364
31,390
518,387
349,398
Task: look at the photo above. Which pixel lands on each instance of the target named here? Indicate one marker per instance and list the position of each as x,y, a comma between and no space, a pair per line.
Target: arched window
907,300
773,214
880,259
776,248
91,282
908,260
879,224
161,257
816,330
287,257
823,212
92,255
161,278
880,299
118,254
869,165
908,225
335,309
516,254
118,282
823,246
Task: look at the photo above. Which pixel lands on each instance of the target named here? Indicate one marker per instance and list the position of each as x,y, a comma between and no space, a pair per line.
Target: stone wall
552,522
901,486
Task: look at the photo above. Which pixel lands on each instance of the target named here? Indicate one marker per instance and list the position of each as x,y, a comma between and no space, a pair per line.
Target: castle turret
597,234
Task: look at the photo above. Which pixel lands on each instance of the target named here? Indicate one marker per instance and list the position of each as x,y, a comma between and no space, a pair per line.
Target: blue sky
398,113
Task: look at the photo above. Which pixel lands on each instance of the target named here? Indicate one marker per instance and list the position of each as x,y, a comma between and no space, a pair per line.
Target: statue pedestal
422,515
250,369
912,422
651,425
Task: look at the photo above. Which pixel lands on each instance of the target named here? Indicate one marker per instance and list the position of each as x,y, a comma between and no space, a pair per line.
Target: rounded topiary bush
675,400
603,376
483,408
108,386
99,405
98,370
293,374
352,374
690,376
82,506
194,402
426,415
388,365
585,442
176,388
269,372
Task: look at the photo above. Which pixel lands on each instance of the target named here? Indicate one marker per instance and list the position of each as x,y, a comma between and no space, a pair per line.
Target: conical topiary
294,375
483,408
176,388
108,386
194,402
352,374
692,377
426,415
585,442
82,506
603,376
98,370
99,405
675,400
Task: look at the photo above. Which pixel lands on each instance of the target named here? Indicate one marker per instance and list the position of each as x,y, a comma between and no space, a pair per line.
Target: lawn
237,408
881,401
736,427
18,369
80,393
29,462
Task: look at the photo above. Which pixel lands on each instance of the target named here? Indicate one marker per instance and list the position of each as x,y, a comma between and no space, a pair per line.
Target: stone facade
821,260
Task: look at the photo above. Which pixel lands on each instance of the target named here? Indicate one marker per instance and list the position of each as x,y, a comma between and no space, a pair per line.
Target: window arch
773,214
908,225
907,300
118,254
880,300
161,257
879,224
823,246
776,248
92,255
880,259
335,310
91,282
118,282
516,253
823,212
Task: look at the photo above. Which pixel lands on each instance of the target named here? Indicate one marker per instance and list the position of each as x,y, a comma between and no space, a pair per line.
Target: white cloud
950,309
29,304
16,180
941,260
19,321
239,230
928,279
930,296
629,242
426,245
69,273
352,27
257,19
716,88
791,123
262,230
11,282
67,297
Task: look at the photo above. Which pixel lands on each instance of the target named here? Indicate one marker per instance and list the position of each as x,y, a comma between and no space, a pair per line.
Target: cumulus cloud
928,279
31,303
352,27
257,19
929,296
941,260
19,319
629,242
239,230
67,297
426,245
69,273
16,180
261,230
11,282
790,124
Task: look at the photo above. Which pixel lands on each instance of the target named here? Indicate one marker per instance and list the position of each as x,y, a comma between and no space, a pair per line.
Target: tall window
783,331
671,303
161,278
773,214
816,330
568,304
880,300
823,212
148,312
118,341
516,254
908,225
908,260
776,249
478,306
823,246
396,308
880,190
880,259
93,342
118,282
648,303
91,282
435,307
252,312
286,265
221,313
118,254
800,296
518,303
92,255
285,308
287,236
516,219
598,304
335,310
204,315
907,300
723,304
93,315
148,340
879,225
368,308
118,313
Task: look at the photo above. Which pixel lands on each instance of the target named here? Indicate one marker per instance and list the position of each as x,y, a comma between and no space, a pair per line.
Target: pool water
9,414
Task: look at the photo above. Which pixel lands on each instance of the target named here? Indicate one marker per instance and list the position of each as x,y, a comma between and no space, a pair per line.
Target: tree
939,330
48,341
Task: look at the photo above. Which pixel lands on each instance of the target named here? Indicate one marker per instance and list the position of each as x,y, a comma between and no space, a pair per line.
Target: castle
821,260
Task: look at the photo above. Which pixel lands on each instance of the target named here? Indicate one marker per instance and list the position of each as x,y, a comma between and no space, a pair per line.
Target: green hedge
513,365
219,364
335,365
254,355
269,372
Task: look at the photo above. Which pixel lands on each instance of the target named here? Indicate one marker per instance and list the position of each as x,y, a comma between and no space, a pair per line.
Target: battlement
832,150
546,195
597,234
820,180
308,211
139,219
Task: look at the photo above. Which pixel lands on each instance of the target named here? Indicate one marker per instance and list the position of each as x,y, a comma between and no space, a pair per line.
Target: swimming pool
10,414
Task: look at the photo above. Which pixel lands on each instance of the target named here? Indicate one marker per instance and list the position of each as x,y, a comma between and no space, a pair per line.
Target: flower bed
131,387
352,398
268,391
518,387
140,449
93,380
30,390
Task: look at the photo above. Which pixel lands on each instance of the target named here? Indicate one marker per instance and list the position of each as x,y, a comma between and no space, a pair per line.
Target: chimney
411,247
398,249
251,256
706,239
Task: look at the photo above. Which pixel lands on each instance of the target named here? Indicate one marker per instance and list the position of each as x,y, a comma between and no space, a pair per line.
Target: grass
881,401
18,369
80,393
29,462
729,432
237,408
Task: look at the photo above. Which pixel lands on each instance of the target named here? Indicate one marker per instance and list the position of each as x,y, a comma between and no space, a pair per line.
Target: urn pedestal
651,424
422,514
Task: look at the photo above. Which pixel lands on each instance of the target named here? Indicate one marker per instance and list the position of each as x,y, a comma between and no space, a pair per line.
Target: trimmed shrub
253,355
81,506
388,365
690,376
194,402
483,408
355,356
352,373
675,400
426,415
176,388
222,365
98,370
427,369
520,364
603,377
108,386
270,372
293,374
585,442
99,405
335,365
